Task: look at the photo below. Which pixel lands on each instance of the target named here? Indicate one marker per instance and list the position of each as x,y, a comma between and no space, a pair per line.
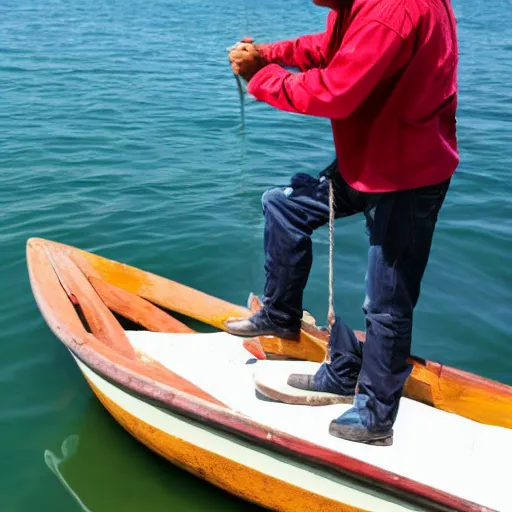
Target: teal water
120,133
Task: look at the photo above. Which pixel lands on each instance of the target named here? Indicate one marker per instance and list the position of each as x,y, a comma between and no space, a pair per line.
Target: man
385,73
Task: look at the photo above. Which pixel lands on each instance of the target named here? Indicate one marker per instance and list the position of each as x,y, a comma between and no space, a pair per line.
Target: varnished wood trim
146,377
136,309
100,319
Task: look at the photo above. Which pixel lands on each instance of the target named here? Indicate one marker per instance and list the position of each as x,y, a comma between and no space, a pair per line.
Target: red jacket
385,73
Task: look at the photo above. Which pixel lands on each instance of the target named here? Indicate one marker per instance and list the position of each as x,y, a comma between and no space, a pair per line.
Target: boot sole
294,396
355,435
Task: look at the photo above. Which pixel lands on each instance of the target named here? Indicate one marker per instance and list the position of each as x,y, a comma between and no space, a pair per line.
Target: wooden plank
253,346
100,319
185,300
60,315
54,304
136,309
146,314
471,396
158,290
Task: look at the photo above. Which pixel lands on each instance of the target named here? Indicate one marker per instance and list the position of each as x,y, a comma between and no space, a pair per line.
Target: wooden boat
191,398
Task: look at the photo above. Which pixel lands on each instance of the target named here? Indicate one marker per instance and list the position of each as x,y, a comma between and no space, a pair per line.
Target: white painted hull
240,453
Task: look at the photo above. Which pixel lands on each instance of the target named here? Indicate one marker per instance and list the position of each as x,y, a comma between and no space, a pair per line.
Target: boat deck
433,447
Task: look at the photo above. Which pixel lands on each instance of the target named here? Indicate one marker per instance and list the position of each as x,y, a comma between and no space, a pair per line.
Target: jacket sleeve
305,53
366,55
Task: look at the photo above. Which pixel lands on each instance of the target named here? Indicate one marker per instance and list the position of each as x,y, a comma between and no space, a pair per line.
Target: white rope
331,315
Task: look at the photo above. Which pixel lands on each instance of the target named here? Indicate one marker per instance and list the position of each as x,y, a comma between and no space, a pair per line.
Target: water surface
120,133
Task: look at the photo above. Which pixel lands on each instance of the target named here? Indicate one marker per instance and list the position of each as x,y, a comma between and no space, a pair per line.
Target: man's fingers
237,55
233,56
244,47
247,39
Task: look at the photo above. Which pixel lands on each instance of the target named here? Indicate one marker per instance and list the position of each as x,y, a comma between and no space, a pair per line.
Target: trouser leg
291,216
401,228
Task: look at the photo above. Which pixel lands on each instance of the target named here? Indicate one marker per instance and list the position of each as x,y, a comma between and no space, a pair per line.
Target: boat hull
255,474
78,292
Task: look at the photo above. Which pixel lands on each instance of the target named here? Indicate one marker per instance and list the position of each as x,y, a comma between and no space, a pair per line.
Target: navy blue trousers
400,226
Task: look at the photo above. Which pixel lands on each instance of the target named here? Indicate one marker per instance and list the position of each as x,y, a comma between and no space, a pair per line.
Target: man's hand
246,59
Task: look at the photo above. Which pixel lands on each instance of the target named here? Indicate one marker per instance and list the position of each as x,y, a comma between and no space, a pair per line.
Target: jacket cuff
266,51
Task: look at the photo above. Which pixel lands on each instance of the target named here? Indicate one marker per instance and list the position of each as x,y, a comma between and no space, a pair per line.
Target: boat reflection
69,449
